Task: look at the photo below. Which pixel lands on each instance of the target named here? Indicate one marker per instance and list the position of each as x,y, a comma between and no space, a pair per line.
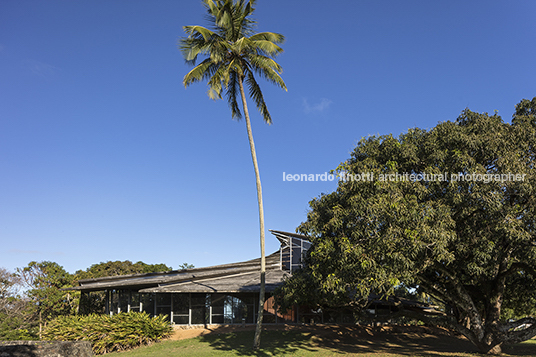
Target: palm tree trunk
257,338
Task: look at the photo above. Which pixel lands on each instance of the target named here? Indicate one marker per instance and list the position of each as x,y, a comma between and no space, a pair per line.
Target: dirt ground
182,334
319,330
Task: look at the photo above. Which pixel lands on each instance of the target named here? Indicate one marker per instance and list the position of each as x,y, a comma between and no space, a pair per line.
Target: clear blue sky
104,154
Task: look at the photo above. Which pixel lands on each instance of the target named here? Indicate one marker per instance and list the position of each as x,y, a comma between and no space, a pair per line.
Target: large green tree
44,281
232,55
15,309
450,211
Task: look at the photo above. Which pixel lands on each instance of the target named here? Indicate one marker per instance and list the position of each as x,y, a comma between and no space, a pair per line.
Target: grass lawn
323,341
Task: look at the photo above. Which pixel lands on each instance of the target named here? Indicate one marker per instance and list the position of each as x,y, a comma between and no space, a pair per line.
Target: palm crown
234,53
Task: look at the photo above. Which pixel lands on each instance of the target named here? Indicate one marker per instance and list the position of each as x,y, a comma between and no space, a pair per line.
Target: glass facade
218,308
193,308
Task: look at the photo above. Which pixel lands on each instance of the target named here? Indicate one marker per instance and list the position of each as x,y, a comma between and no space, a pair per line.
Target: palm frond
191,48
241,45
232,95
199,42
196,31
244,22
198,73
273,77
260,61
211,6
237,65
256,94
216,83
268,69
265,47
268,36
218,51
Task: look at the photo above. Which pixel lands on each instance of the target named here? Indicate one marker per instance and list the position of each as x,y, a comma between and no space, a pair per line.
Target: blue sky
104,154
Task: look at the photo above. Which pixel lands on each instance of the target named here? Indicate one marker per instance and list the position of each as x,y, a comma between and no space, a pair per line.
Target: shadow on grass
272,342
527,348
351,340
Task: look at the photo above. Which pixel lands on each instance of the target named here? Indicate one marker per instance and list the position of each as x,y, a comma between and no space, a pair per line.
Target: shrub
15,328
109,333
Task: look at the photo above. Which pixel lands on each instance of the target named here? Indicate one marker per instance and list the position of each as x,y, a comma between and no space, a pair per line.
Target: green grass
310,343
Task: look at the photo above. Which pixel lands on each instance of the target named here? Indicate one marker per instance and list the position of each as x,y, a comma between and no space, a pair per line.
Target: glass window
148,303
217,319
217,310
114,301
180,319
218,306
123,300
163,310
228,309
135,299
198,299
181,304
198,315
163,299
251,313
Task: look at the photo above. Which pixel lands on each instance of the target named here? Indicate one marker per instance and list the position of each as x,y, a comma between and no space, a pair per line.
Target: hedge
109,333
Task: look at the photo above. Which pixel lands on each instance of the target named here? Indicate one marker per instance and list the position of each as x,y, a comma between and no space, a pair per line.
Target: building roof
239,282
227,278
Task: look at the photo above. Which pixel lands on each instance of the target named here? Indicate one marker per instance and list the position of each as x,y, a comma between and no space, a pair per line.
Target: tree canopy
126,267
450,211
233,53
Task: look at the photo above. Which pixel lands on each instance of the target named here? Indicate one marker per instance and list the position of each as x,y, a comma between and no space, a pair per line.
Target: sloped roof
215,278
240,282
282,235
235,277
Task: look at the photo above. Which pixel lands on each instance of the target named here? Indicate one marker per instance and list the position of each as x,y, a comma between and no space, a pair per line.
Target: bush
109,333
15,329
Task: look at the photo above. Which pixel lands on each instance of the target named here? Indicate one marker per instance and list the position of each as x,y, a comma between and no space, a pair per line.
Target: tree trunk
257,338
489,343
495,350
40,325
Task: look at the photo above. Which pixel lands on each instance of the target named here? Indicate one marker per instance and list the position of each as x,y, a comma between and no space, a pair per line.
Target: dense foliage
450,211
109,333
114,268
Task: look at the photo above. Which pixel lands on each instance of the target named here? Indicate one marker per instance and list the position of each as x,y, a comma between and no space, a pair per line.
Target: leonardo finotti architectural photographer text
370,176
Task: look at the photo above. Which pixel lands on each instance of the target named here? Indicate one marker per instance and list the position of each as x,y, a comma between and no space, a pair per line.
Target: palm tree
233,55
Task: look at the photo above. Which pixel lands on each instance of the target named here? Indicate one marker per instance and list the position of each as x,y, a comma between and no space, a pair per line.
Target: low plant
109,333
